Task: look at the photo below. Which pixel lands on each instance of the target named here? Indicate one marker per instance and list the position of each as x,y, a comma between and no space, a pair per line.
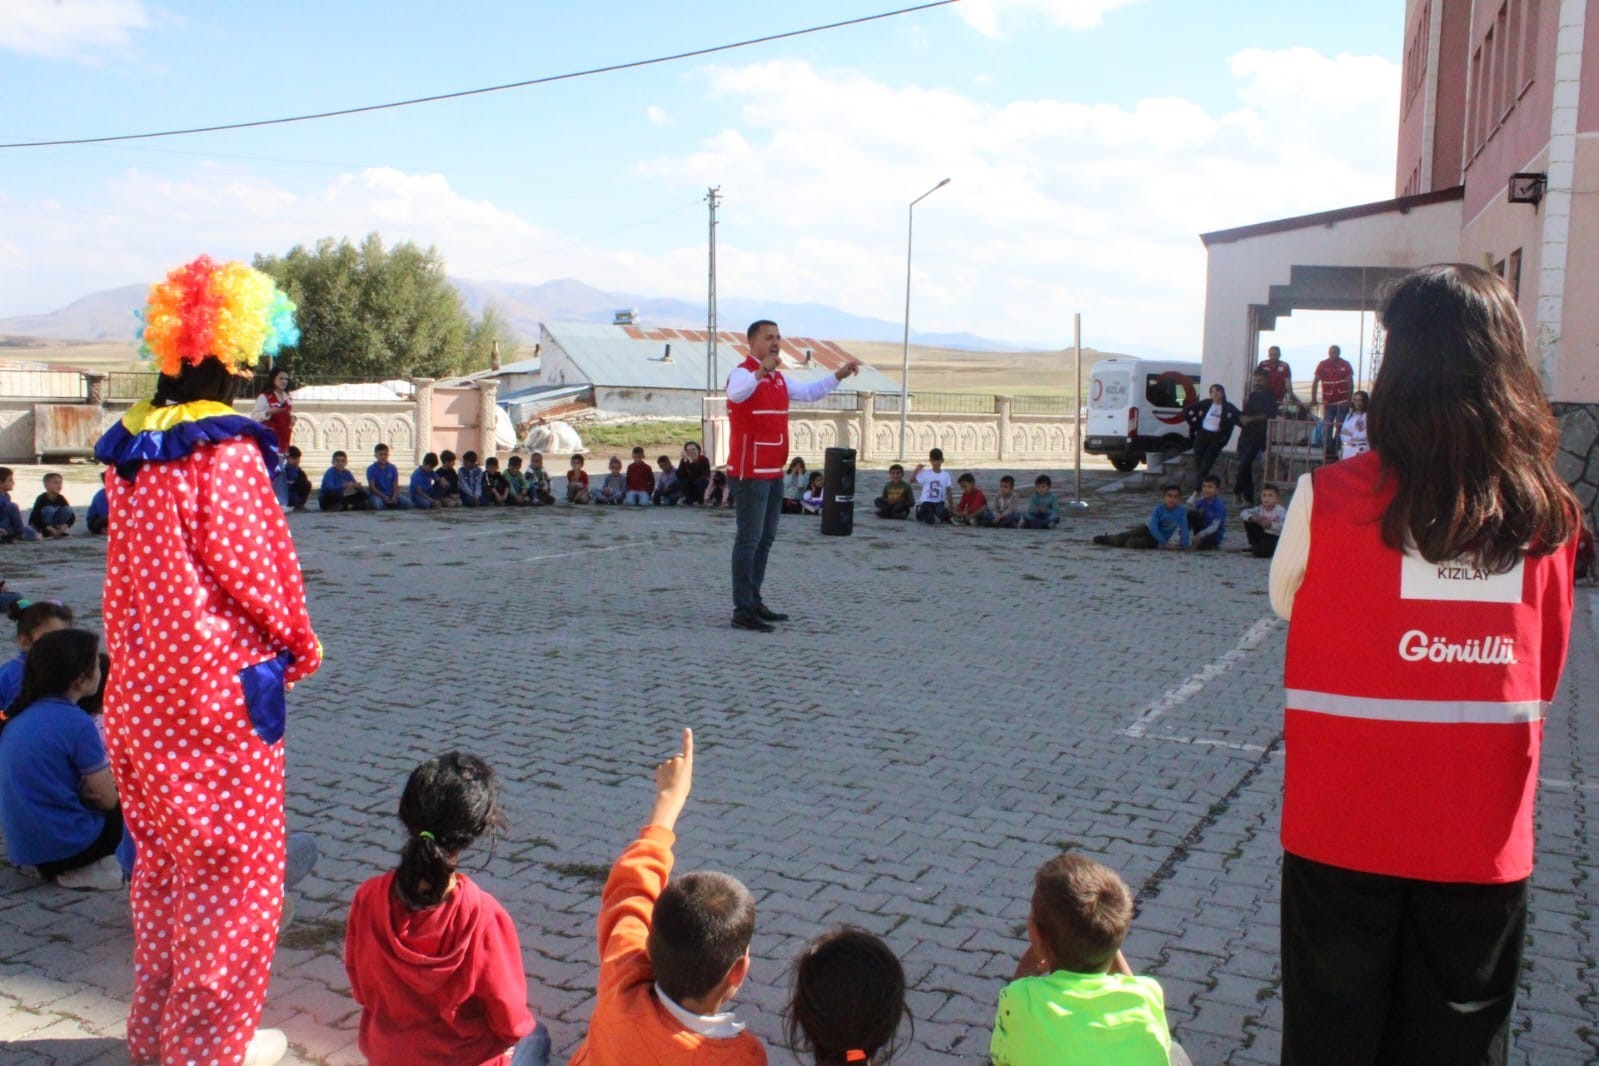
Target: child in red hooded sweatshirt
433,959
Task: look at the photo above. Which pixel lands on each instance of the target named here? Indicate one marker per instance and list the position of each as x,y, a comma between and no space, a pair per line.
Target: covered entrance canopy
1330,261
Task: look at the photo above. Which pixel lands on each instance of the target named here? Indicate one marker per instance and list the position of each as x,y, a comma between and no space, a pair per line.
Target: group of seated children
439,484
52,516
927,495
436,964
1202,523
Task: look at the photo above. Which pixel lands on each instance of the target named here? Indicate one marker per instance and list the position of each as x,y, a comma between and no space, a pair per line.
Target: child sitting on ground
447,481
672,955
496,490
811,498
666,491
339,491
972,507
718,496
577,482
52,515
1169,519
1043,509
932,487
12,527
470,481
539,493
424,484
383,483
897,498
640,481
1207,514
848,1000
296,484
795,481
34,619
1074,998
1264,524
516,483
434,960
99,516
614,485
1005,511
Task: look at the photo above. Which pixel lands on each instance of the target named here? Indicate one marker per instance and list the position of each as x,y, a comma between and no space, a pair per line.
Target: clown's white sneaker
267,1046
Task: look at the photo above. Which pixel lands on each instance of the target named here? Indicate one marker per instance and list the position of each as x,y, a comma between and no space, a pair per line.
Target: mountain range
108,315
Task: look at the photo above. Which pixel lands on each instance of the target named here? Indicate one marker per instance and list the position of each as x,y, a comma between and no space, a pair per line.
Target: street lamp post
905,367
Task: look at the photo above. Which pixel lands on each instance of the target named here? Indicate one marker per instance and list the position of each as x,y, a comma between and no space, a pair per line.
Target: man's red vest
1415,697
759,428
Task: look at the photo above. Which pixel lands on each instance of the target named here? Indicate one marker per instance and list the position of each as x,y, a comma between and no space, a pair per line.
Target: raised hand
673,780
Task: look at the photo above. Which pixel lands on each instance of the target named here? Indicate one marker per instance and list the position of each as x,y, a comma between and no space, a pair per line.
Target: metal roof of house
631,356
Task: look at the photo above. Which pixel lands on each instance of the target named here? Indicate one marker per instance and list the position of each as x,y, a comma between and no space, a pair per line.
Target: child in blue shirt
1207,515
1043,509
34,620
58,800
383,483
423,484
340,492
12,527
1169,519
99,516
296,486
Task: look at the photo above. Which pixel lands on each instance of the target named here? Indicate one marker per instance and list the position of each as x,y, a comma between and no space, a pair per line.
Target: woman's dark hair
272,379
848,995
210,380
55,661
30,615
94,702
448,803
1459,419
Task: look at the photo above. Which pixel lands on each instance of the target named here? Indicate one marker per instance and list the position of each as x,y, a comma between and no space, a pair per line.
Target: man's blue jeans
757,503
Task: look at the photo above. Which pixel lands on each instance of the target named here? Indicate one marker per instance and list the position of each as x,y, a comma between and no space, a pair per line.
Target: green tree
371,312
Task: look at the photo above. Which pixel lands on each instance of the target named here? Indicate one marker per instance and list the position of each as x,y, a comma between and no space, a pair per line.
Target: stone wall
1578,461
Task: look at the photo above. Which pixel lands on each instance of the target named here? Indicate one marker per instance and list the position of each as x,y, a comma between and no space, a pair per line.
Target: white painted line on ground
1204,742
1563,785
1119,483
1197,681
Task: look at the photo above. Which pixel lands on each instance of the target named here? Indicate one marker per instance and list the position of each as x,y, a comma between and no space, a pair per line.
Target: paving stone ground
947,708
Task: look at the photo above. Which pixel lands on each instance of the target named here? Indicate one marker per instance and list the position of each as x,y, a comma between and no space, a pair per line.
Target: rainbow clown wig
227,310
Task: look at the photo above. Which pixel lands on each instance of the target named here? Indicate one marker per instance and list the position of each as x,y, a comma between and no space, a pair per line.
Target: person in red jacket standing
206,623
757,412
1413,731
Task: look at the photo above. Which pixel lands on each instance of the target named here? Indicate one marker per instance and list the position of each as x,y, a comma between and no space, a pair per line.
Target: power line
488,89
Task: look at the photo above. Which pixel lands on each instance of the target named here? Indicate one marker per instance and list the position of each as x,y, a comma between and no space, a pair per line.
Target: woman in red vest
275,408
1413,728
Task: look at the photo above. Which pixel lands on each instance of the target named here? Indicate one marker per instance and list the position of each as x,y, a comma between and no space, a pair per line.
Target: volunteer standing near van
1413,731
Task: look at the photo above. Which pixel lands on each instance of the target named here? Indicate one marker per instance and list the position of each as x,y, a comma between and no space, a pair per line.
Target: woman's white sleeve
1293,550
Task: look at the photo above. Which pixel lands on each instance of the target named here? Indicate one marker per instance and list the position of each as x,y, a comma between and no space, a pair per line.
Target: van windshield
1171,389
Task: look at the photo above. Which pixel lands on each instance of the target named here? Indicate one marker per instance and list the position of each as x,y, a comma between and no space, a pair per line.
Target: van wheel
1172,447
1126,463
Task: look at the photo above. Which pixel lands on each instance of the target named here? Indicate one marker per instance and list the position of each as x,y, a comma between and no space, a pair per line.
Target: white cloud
658,116
992,17
69,28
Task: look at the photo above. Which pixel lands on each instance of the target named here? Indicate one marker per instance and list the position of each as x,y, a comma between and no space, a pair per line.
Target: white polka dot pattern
201,581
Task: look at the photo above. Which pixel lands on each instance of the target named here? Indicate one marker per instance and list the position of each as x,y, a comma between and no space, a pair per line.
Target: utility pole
713,196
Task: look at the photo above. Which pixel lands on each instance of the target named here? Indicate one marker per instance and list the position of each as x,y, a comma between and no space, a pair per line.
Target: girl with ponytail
58,800
848,1000
433,959
34,619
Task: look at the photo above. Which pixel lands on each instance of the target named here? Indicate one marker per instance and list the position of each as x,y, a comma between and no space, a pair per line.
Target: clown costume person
206,624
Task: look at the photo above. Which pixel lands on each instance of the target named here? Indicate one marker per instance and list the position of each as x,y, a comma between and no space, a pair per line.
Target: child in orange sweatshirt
672,956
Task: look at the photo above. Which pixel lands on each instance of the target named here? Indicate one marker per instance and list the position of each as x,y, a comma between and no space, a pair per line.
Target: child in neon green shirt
1075,1000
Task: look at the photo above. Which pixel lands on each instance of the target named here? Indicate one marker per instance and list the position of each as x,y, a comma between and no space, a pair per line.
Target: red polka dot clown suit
206,625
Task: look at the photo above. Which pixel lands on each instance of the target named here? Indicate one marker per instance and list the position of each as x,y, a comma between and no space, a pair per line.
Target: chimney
494,356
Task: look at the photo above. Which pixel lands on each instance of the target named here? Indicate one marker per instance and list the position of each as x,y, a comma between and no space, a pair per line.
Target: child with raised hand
848,1000
433,959
34,619
811,500
672,955
1074,998
58,799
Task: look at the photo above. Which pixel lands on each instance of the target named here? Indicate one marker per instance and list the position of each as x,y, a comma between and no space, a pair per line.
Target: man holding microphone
757,412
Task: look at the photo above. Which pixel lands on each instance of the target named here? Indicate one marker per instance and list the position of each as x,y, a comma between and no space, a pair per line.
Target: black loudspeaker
838,492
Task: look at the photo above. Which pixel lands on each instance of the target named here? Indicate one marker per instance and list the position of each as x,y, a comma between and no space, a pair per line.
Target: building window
1474,112
1529,40
1513,272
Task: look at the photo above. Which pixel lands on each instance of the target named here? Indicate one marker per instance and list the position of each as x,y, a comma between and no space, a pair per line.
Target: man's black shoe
751,621
766,614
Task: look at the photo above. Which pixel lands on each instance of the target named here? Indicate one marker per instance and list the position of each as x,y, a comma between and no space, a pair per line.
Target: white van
1135,409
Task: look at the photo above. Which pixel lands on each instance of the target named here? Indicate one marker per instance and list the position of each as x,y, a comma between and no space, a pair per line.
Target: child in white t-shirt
1264,524
932,489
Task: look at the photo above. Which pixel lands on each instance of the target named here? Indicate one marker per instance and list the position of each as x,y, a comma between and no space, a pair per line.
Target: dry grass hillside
957,370
74,355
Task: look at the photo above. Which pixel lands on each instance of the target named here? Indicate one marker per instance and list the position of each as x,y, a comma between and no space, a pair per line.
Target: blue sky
1088,142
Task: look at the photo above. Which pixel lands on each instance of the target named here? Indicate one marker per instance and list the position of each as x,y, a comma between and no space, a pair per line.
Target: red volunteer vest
280,420
1415,697
759,428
